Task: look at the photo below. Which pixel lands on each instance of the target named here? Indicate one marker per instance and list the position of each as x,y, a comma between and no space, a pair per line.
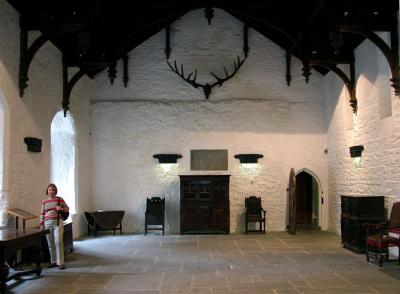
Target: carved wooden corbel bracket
391,53
209,14
167,49
68,85
349,82
246,47
306,70
125,78
288,56
27,53
112,71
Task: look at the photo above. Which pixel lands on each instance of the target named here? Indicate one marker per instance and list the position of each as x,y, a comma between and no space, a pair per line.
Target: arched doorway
307,201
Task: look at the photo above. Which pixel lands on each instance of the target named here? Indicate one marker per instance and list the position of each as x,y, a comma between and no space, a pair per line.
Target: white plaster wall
29,173
254,112
379,133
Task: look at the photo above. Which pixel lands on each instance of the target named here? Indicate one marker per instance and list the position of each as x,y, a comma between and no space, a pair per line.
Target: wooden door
292,202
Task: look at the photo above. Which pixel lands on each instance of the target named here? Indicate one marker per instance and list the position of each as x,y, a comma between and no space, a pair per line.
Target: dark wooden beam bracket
125,60
288,56
246,47
28,52
167,41
112,72
209,14
306,70
391,53
68,84
349,82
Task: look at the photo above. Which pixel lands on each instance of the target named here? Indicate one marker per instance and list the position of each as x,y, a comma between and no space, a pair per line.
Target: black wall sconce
248,158
167,158
355,153
33,144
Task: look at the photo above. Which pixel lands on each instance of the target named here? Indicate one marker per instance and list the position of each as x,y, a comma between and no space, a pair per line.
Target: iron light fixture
33,144
248,158
355,153
167,158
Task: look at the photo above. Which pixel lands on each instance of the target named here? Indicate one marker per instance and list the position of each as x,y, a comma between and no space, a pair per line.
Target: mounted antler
182,75
206,87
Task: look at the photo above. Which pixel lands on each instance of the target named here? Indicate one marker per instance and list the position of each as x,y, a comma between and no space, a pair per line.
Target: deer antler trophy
206,87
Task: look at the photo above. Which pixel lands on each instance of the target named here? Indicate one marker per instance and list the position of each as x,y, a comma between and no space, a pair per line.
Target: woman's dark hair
53,186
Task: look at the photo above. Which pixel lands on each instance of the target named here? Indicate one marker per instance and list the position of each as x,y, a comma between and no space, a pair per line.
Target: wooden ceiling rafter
94,34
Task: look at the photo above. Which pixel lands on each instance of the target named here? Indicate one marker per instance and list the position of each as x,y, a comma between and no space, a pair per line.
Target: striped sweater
49,211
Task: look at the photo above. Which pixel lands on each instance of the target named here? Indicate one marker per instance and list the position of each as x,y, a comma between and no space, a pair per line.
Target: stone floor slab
309,262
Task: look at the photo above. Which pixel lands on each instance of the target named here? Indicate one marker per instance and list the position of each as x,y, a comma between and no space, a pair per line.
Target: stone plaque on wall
209,159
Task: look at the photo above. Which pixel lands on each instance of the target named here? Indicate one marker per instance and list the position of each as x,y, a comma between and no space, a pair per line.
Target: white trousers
55,241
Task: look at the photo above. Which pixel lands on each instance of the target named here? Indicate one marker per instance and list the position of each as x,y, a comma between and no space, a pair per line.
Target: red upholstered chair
379,237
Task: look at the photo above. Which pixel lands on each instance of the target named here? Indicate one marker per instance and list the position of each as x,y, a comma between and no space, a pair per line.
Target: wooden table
20,214
12,240
104,220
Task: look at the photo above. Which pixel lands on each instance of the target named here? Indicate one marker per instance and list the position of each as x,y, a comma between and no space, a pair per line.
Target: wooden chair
379,237
254,214
155,214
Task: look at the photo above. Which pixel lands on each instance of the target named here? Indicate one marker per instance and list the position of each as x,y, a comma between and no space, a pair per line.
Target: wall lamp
355,153
33,144
167,158
248,158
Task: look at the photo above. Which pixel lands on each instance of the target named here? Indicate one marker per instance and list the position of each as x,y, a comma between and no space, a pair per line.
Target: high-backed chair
254,214
380,237
155,214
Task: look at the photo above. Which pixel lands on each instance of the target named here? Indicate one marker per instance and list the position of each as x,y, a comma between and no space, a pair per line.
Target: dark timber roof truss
94,34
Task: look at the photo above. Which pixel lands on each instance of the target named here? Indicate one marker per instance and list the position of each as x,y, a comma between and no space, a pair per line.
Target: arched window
3,157
63,157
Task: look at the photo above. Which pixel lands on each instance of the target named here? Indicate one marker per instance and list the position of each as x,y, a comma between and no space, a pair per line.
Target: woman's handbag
64,214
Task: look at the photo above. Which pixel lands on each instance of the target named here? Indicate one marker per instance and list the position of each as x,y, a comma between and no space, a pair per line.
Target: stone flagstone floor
309,262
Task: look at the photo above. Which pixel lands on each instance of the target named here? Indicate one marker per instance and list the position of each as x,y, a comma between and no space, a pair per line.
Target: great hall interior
202,146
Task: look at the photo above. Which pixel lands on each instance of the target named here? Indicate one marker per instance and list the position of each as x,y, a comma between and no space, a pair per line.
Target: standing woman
50,218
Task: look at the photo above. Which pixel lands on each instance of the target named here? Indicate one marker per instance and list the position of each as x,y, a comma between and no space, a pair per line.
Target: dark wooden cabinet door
188,191
220,191
195,216
219,218
204,191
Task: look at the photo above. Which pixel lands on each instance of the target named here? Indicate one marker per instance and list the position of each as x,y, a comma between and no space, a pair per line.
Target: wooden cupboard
204,204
